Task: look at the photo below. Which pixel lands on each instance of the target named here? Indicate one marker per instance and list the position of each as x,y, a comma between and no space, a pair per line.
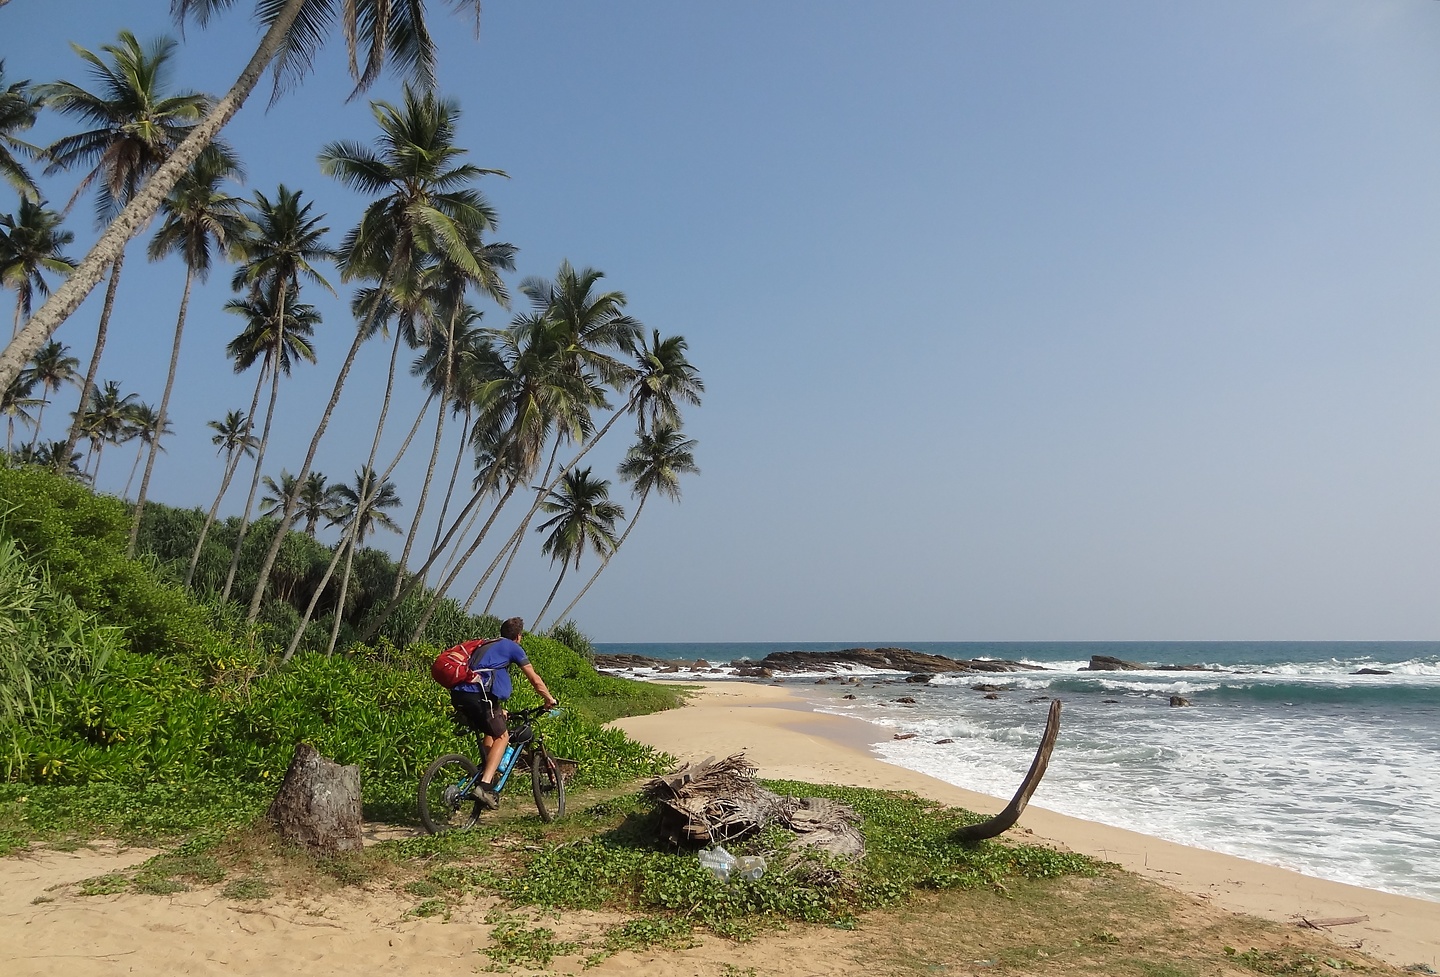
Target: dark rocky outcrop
1179,700
896,659
1372,671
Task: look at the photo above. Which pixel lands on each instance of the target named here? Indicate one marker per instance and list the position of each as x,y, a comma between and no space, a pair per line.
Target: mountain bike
447,801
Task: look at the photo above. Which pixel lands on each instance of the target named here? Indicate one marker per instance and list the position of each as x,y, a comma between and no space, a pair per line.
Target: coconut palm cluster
510,412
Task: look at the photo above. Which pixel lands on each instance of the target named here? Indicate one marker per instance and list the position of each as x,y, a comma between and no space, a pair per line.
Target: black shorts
479,712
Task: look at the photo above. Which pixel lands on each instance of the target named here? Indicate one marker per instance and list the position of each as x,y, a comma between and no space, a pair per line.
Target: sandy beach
48,929
782,736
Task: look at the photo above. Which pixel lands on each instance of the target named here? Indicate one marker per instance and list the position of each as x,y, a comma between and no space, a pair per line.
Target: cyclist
481,700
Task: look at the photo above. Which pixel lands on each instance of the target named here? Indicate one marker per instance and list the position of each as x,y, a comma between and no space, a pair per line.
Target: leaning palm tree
375,31
276,338
232,436
426,212
31,241
360,512
19,105
135,124
584,518
196,218
654,463
52,368
591,327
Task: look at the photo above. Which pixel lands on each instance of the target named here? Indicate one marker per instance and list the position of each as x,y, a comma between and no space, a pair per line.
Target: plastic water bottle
750,867
718,862
507,756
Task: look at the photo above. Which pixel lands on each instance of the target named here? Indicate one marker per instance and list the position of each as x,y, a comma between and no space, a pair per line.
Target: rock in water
1179,700
318,804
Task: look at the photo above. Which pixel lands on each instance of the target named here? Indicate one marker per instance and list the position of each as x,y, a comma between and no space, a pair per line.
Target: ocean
1285,755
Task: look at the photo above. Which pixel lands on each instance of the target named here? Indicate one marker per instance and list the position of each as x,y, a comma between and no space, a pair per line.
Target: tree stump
318,804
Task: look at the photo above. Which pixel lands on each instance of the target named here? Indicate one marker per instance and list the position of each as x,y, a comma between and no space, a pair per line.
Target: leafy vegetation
193,718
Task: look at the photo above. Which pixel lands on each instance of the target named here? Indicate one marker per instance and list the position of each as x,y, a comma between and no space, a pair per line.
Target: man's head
513,628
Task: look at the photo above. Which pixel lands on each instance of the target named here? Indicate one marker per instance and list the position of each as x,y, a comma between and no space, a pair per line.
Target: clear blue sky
1019,320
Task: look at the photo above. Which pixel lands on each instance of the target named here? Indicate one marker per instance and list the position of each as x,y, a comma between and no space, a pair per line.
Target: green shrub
78,540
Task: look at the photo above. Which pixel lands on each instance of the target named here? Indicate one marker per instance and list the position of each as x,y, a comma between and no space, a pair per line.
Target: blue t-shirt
498,655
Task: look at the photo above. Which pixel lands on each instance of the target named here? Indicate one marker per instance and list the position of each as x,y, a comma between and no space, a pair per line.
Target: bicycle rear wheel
547,785
443,806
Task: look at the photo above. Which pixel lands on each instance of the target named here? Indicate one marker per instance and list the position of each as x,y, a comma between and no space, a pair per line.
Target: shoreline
780,732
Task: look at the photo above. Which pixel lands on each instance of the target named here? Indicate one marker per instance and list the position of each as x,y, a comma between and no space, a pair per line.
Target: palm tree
275,338
145,425
654,463
136,125
19,105
426,211
317,499
196,216
584,518
31,241
360,511
294,31
52,368
15,403
663,375
232,436
105,420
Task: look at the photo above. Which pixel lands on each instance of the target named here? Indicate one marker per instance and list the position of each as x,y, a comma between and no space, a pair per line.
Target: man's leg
493,753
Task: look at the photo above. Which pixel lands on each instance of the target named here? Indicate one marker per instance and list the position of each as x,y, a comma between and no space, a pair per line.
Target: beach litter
718,862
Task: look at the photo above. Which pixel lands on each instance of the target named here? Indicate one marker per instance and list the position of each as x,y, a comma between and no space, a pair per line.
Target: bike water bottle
507,756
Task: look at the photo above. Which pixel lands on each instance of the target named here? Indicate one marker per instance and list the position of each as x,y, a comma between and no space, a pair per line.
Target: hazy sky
1018,320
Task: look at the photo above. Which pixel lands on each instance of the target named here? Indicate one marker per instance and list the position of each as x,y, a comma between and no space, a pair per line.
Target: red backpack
452,666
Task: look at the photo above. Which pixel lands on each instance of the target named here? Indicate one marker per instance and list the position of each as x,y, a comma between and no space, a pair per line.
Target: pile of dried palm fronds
719,800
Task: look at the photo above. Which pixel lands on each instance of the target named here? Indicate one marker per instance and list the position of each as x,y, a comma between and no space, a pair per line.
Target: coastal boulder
1179,700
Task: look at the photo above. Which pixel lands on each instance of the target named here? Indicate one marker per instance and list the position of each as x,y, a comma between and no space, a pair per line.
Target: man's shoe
487,797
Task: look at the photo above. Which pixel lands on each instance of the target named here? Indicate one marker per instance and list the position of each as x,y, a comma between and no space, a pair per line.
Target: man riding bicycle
480,700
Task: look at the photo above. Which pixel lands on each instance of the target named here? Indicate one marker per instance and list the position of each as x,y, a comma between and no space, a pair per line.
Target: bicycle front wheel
547,785
444,805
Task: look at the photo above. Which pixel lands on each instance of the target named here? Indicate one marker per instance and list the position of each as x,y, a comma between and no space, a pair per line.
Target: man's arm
539,683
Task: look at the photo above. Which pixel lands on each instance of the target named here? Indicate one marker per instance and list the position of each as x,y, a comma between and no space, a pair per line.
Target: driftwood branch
1006,819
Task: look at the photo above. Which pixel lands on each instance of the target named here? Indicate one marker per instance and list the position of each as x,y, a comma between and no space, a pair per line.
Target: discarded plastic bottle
718,862
750,867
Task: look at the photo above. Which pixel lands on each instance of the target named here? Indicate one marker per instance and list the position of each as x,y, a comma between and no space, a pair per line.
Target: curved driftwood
1006,819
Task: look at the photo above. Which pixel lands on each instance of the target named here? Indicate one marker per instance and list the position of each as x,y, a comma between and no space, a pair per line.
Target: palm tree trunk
449,578
254,480
603,563
553,591
100,336
340,547
137,213
434,458
232,465
454,477
347,536
39,418
134,467
379,621
361,333
344,591
164,406
520,538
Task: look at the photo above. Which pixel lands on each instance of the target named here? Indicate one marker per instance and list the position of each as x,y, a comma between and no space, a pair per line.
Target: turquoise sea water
1284,756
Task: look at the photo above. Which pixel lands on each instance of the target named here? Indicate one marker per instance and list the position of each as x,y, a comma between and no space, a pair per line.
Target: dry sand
48,930
782,736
